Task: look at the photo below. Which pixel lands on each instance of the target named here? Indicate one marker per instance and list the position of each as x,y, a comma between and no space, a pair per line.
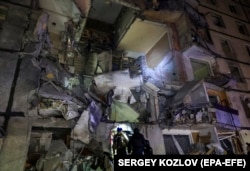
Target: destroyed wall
78,100
164,73
235,101
199,139
16,23
61,95
199,55
43,89
244,134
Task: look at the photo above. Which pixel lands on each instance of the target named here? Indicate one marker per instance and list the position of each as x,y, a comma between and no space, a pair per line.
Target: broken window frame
178,146
220,95
236,72
218,20
242,28
233,9
244,103
227,49
227,117
205,64
213,99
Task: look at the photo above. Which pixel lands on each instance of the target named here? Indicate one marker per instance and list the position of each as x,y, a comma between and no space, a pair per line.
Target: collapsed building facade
166,67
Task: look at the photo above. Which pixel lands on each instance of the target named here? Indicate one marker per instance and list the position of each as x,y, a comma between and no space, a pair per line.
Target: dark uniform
148,149
136,143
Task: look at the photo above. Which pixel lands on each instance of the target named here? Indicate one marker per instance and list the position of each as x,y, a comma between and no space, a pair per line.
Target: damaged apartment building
72,71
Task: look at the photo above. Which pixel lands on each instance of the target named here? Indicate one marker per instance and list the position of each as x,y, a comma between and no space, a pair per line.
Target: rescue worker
147,148
120,142
136,143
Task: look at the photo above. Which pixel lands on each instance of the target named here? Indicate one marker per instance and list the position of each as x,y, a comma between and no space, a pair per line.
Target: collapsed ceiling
122,19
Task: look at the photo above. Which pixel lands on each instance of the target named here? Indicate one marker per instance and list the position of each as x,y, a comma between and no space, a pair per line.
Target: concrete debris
15,144
41,37
217,147
96,113
54,71
103,134
71,82
91,163
57,158
49,91
105,61
53,107
95,147
111,80
72,112
50,107
124,95
81,129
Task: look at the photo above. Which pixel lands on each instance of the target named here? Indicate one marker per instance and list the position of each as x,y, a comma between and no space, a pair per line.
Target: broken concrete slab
81,129
108,81
103,134
28,80
58,157
16,144
124,95
8,62
50,90
52,123
13,27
